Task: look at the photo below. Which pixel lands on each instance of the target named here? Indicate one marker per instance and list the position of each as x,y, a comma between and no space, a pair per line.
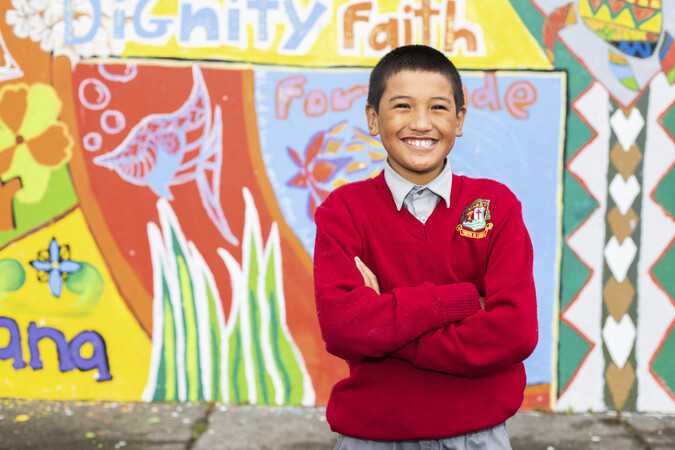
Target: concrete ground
109,425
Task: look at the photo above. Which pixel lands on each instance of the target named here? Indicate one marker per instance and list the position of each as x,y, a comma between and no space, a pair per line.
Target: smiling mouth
420,143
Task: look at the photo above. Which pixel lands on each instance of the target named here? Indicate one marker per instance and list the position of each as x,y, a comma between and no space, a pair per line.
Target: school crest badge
474,219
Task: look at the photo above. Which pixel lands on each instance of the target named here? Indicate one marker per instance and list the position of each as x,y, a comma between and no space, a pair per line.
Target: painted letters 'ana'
69,353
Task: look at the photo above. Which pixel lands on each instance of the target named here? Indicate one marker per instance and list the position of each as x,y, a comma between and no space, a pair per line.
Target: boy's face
417,123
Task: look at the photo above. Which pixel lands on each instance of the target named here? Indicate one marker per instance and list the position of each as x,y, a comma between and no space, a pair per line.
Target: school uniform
428,366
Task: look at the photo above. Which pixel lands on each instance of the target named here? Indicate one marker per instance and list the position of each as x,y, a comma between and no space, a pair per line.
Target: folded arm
355,321
505,332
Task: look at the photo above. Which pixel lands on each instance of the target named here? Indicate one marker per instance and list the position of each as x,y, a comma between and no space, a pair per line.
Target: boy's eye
401,105
439,107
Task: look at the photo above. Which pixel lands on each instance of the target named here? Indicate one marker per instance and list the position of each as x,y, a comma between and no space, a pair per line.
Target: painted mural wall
160,163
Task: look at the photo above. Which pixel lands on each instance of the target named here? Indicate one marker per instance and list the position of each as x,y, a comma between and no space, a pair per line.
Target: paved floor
110,425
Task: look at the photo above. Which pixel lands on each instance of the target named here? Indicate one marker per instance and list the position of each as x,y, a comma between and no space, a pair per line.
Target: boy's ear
371,117
461,115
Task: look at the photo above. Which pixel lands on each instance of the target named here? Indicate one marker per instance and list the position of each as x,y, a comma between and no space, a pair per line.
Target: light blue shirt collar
400,187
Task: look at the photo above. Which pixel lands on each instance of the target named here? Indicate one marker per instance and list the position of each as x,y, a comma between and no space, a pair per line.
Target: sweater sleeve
506,331
355,321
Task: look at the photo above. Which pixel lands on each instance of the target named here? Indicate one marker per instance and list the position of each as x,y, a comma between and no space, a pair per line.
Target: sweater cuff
458,301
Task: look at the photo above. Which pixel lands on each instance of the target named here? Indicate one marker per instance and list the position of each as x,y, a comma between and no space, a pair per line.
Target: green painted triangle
668,122
579,138
663,271
572,351
532,19
574,275
664,192
577,203
663,363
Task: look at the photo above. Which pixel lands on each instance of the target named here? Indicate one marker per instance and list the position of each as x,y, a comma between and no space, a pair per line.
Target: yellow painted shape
625,18
617,59
654,4
596,25
337,128
166,8
128,347
654,24
571,18
370,140
332,147
509,44
495,18
355,147
376,156
604,14
611,31
339,182
585,9
356,166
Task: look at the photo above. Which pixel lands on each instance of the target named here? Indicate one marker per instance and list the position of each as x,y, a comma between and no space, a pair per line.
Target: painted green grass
264,367
196,354
177,368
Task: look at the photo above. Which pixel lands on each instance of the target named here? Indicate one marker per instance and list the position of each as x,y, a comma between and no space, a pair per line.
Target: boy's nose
420,121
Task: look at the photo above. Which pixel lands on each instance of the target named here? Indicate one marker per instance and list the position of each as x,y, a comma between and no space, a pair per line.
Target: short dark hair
416,58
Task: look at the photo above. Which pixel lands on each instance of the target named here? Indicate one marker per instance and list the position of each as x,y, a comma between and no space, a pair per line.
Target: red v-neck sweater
425,360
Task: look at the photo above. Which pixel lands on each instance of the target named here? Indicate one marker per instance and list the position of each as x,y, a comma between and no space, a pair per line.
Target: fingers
359,265
369,277
482,302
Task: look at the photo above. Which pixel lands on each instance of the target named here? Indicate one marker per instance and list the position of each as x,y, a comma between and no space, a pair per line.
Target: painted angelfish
176,148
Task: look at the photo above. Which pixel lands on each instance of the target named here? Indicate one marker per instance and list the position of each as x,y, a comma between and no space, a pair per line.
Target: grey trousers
494,438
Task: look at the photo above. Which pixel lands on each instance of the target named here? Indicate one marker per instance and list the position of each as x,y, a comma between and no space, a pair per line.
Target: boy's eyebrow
399,97
407,97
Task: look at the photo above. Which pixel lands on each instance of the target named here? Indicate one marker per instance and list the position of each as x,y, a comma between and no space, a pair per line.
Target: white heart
624,192
620,256
627,128
619,338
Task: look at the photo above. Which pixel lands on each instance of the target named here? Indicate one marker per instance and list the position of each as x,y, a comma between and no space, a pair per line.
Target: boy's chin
424,168
418,172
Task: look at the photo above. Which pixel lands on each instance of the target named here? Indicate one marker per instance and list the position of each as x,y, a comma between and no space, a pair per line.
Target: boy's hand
482,302
369,277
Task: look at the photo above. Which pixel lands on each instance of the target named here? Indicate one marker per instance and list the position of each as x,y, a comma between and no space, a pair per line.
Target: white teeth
420,143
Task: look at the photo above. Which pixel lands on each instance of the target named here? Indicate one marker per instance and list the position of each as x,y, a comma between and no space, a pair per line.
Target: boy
423,278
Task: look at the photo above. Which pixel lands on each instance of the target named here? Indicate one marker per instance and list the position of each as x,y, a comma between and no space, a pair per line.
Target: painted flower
315,171
32,18
332,158
54,265
44,22
33,142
